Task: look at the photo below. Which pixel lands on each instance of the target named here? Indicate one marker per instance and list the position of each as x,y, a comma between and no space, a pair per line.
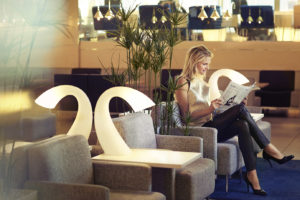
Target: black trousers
238,121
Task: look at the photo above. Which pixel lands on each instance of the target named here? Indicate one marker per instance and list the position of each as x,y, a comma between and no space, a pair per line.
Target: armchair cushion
123,176
65,159
137,130
63,191
180,143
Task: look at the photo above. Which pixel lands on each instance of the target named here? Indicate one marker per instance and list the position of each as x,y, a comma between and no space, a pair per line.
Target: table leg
163,180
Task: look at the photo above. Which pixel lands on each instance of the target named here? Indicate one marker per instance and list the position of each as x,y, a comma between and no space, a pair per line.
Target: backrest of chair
165,75
86,71
277,80
159,115
19,167
78,80
137,130
64,159
176,117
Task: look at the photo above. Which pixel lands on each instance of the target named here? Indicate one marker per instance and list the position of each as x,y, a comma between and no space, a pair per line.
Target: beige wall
247,57
252,55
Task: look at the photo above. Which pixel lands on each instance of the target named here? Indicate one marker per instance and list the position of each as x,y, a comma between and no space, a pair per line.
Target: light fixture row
154,19
202,15
259,19
108,15
215,15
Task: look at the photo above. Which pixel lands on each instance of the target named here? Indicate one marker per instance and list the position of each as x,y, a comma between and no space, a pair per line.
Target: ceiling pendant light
227,15
202,15
98,14
154,18
119,13
259,19
249,19
163,17
215,15
109,14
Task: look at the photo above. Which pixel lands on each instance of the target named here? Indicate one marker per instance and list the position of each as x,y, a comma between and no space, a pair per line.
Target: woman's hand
216,103
245,100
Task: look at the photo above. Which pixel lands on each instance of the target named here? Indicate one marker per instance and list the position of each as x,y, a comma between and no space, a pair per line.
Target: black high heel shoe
260,192
279,161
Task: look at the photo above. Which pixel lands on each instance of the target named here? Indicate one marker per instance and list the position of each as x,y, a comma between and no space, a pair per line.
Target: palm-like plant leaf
125,14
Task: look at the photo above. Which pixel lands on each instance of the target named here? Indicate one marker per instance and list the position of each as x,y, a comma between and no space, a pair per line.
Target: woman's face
203,66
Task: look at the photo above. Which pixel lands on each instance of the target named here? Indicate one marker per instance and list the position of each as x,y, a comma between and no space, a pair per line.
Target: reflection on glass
230,29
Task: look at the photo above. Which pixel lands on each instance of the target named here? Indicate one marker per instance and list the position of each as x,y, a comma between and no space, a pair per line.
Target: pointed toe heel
279,161
260,192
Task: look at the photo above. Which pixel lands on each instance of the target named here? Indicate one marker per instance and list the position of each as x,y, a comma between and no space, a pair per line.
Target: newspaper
235,94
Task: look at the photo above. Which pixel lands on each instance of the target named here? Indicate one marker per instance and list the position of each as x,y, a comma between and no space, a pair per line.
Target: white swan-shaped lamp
83,122
108,136
229,73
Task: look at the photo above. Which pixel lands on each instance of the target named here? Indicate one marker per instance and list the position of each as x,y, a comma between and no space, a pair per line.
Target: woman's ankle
273,151
253,178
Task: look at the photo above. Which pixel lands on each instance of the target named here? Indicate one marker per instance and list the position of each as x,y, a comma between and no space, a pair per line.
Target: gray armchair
193,182
227,156
62,168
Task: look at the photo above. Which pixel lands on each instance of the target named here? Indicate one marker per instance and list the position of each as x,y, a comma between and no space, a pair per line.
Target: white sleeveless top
199,98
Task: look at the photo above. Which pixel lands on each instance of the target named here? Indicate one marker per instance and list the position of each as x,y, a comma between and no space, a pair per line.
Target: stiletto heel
247,187
260,192
279,161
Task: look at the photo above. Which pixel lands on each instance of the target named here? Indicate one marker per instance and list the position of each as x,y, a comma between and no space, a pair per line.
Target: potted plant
148,51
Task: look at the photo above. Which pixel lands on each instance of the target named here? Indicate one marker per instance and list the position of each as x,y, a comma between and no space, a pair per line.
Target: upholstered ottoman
195,182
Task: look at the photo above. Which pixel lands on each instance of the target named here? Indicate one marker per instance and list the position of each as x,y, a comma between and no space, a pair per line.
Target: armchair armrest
62,191
254,109
209,136
122,175
180,143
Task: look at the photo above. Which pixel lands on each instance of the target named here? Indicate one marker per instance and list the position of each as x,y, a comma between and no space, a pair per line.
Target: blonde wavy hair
193,57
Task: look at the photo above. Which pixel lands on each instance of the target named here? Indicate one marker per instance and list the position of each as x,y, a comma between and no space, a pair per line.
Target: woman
193,100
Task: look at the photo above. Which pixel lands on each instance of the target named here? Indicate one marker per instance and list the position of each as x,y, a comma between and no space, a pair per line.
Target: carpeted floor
282,182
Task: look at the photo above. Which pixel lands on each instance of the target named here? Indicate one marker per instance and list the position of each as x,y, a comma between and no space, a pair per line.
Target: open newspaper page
234,94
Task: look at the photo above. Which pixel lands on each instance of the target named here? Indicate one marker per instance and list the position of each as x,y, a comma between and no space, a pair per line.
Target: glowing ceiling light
98,14
202,15
215,15
154,18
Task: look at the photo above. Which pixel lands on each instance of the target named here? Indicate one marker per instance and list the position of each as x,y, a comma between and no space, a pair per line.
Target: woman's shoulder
183,81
